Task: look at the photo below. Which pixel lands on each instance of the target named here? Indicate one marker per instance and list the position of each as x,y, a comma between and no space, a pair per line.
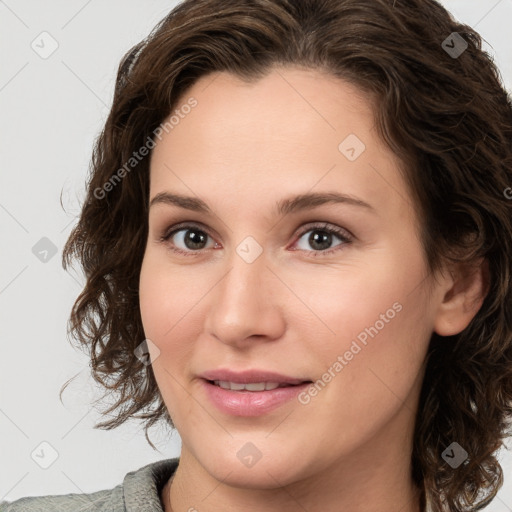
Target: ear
465,292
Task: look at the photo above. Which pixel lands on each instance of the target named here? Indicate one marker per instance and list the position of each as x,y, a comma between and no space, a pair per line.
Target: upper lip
249,376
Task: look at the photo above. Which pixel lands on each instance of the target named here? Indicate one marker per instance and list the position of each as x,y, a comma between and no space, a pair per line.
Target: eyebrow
283,207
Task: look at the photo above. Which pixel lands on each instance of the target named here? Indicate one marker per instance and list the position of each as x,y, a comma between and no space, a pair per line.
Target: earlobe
462,301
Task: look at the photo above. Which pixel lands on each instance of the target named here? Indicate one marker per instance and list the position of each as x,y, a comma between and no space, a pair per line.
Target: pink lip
250,403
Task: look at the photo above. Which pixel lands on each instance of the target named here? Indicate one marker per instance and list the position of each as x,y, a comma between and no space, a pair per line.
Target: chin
267,472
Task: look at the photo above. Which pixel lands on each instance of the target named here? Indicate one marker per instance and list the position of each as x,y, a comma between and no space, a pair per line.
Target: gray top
139,492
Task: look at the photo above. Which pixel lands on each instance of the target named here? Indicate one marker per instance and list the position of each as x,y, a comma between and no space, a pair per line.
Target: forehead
290,132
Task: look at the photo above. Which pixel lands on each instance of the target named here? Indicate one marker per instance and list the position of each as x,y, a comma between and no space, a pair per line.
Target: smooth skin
299,305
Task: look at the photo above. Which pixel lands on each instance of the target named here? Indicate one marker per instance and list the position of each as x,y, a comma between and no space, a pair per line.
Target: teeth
253,386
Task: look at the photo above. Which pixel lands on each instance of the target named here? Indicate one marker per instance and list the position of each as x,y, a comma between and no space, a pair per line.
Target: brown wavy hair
449,120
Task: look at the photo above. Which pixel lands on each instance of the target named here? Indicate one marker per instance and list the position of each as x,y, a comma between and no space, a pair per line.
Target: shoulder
96,501
140,491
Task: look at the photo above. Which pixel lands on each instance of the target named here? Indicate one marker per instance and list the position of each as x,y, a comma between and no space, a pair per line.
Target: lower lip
250,403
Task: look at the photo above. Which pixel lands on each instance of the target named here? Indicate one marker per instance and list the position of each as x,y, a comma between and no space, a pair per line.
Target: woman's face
265,283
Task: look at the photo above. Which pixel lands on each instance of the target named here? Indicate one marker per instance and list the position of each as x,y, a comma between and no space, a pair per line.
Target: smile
250,399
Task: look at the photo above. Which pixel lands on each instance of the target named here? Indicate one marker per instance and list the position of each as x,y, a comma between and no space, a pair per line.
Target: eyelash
342,234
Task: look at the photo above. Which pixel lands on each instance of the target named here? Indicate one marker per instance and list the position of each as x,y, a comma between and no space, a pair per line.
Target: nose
247,303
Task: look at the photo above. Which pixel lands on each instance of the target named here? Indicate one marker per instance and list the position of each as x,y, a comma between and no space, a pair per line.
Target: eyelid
182,225
327,226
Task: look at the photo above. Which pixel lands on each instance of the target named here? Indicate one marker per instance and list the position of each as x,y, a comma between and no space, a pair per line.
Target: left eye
193,237
325,238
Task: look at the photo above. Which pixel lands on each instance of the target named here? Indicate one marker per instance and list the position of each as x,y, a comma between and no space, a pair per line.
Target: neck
405,498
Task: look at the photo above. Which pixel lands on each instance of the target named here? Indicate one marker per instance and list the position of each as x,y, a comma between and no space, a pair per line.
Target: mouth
251,393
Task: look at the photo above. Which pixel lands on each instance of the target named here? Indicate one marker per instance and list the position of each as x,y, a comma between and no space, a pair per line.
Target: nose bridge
243,303
245,280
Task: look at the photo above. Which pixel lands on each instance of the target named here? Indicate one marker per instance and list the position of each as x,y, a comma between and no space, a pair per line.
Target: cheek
370,371
163,308
376,325
160,312
349,302
161,298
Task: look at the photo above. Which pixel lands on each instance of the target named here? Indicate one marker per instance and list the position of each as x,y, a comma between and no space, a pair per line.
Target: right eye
190,236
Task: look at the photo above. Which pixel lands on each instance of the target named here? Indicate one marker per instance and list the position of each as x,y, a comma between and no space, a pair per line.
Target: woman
297,242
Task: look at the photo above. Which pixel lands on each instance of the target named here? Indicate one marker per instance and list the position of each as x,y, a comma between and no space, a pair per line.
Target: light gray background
51,111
